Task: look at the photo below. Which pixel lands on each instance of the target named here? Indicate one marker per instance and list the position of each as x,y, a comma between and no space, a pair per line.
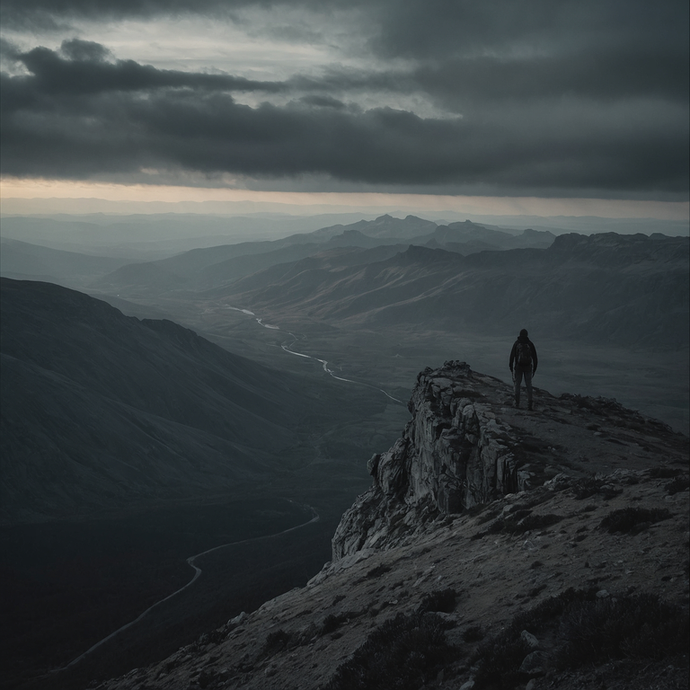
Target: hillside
607,289
495,549
207,268
100,410
26,261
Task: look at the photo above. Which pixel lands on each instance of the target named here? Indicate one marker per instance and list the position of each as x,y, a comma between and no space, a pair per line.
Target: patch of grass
587,629
402,654
276,641
633,520
639,627
677,485
499,661
589,486
439,601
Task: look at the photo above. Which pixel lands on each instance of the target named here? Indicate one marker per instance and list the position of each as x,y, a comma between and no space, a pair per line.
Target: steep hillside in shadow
25,261
101,410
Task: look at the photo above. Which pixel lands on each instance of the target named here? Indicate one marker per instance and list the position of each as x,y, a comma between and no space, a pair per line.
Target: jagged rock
452,455
529,639
465,446
534,664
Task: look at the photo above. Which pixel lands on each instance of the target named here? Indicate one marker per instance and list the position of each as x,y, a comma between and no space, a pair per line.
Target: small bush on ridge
400,655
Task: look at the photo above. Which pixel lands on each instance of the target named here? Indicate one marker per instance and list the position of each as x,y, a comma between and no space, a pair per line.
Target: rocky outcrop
467,445
452,455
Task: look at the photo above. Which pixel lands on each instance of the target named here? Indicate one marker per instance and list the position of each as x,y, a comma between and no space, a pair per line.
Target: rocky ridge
489,534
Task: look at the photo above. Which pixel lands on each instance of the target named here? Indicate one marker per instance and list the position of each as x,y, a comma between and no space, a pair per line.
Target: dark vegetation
281,640
590,486
677,485
439,601
576,629
633,520
518,522
402,654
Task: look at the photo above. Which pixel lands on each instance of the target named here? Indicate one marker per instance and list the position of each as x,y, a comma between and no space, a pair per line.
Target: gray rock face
452,455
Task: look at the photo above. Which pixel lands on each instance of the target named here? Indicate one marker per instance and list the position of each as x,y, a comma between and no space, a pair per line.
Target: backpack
523,355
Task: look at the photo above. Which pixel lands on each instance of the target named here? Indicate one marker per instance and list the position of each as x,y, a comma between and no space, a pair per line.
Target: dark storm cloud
83,67
537,95
601,76
47,13
80,132
439,28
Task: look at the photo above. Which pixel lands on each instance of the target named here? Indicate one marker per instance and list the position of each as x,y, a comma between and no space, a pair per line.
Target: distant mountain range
608,288
202,269
26,261
603,288
100,410
209,266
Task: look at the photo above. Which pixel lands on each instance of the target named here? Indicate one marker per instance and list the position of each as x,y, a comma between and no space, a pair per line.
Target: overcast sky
545,98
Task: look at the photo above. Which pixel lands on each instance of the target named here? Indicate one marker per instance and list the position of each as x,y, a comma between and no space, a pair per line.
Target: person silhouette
523,363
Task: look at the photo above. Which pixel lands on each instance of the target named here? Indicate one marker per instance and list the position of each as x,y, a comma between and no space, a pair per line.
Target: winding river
287,347
197,572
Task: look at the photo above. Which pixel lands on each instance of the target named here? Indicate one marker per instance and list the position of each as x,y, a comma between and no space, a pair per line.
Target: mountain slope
206,268
100,409
23,260
569,572
630,290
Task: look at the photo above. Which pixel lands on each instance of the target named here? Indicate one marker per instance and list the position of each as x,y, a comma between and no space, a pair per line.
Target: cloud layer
542,98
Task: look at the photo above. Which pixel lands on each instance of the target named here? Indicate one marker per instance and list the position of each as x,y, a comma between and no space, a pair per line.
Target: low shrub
522,521
276,641
633,520
439,601
587,630
400,655
331,623
378,571
640,627
589,486
677,485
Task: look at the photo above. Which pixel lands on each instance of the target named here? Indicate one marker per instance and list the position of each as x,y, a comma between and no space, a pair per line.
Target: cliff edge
466,445
496,548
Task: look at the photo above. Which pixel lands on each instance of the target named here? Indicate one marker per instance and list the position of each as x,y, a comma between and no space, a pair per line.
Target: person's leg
528,385
518,382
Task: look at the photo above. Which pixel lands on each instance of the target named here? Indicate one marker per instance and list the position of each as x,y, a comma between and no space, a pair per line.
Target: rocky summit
496,548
